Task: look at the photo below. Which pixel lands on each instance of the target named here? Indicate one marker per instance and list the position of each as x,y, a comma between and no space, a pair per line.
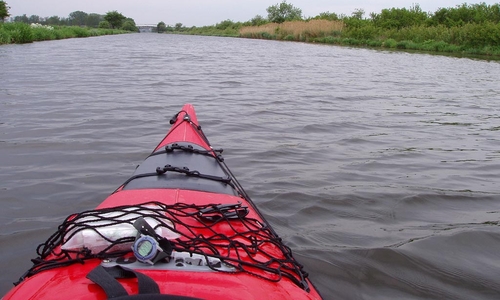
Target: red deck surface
70,282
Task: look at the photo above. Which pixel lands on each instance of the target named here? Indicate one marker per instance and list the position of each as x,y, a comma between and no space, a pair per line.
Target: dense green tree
21,19
93,20
129,25
4,10
465,13
225,24
327,16
104,24
78,18
64,21
114,18
358,13
178,26
54,20
282,12
34,19
161,27
397,18
258,20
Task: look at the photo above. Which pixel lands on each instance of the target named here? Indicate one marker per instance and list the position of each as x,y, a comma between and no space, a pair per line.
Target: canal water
380,169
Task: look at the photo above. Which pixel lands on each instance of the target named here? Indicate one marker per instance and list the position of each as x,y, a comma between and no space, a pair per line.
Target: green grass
4,36
425,46
467,39
16,33
21,33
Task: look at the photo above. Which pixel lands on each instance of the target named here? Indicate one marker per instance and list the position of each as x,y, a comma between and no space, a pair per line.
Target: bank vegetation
24,29
464,29
21,33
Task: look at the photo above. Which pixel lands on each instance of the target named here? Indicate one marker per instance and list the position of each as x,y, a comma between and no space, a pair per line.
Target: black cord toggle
174,118
190,149
215,213
194,173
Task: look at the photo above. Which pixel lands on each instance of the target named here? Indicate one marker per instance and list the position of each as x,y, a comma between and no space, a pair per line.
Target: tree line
464,28
4,11
76,18
391,18
24,29
112,19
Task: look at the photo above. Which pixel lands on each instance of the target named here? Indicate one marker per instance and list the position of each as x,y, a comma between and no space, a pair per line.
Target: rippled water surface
380,169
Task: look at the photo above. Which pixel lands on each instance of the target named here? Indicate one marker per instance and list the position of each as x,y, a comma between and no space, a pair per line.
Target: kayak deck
223,246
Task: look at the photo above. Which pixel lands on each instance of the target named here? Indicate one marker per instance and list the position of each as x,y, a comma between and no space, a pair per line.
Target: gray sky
210,12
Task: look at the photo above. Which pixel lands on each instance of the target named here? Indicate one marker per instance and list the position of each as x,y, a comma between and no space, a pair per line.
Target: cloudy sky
209,12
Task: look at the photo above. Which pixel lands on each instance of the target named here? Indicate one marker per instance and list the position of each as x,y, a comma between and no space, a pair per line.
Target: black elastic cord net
246,245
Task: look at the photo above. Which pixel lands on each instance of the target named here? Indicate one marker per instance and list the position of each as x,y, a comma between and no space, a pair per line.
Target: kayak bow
181,227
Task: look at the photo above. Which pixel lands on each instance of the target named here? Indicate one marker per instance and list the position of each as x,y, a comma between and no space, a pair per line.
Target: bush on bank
21,33
470,38
469,29
472,29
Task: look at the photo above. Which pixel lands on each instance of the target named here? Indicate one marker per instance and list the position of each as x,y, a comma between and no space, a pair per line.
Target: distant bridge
146,27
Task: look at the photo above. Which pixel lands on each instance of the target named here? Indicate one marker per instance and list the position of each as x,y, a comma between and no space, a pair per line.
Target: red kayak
181,227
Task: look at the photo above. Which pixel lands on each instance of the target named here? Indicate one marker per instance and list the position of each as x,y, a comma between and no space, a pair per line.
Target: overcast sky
209,12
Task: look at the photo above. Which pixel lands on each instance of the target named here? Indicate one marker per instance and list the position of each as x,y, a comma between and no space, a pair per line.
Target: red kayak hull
70,282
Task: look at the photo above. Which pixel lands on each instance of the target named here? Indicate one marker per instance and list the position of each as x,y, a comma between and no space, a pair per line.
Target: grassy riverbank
464,29
302,31
20,33
482,39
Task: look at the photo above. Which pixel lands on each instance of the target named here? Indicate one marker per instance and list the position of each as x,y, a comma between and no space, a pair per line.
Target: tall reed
294,30
471,38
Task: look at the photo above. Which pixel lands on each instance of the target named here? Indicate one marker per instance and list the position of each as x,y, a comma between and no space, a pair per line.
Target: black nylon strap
106,279
108,283
146,284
